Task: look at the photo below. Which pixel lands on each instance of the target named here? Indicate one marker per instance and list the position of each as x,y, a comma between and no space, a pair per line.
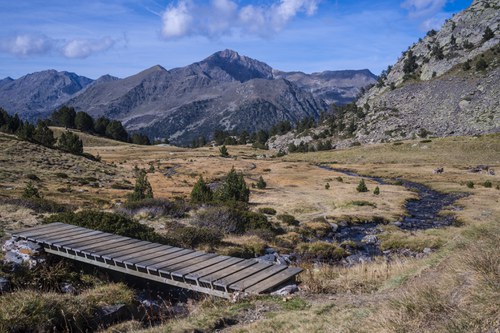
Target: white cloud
223,17
423,8
82,48
177,20
26,45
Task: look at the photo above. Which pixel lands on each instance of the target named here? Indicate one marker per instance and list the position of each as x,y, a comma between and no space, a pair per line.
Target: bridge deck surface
195,270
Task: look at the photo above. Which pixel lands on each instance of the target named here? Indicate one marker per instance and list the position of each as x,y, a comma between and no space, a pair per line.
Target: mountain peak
228,54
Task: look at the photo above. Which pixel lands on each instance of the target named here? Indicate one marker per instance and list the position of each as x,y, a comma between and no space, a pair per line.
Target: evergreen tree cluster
67,117
232,189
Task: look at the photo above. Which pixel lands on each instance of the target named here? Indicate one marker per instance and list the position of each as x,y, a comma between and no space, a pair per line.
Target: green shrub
339,179
470,184
376,191
233,188
327,186
31,191
361,203
32,176
481,65
288,219
156,207
267,210
223,151
142,188
61,175
192,237
261,184
71,143
487,184
40,205
362,186
201,193
231,220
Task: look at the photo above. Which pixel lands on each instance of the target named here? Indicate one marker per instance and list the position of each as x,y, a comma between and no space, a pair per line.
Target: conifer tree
201,193
142,189
362,186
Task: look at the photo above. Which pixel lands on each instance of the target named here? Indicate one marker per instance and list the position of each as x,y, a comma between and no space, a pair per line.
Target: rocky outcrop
445,84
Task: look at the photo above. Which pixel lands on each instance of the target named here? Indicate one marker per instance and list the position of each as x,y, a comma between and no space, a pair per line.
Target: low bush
232,221
361,203
487,184
267,210
32,176
39,205
470,184
288,219
321,251
155,208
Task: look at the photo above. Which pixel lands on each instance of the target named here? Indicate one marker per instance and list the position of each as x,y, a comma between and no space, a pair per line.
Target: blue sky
123,37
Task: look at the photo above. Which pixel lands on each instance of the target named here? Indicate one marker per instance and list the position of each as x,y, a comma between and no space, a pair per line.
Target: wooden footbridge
195,270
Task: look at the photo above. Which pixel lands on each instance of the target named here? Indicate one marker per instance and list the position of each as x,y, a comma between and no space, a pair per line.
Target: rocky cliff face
446,84
35,94
333,87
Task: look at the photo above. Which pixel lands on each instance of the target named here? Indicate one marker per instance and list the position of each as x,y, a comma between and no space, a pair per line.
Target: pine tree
201,193
327,186
488,34
142,189
233,188
31,191
84,122
223,151
376,191
261,184
362,186
71,143
44,135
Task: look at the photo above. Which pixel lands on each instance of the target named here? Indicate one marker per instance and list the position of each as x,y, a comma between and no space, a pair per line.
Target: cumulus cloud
82,48
423,8
223,17
27,45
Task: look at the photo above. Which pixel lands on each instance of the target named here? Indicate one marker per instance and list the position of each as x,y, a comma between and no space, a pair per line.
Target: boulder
4,285
287,290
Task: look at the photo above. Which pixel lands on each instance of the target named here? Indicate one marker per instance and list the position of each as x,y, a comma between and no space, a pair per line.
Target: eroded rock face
22,251
439,95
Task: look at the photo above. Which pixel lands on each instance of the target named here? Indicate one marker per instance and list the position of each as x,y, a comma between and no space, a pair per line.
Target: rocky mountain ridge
226,90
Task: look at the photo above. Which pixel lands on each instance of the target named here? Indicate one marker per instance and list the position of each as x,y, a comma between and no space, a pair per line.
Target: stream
421,213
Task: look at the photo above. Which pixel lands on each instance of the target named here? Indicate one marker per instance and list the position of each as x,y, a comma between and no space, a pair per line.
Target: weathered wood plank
51,229
240,275
199,266
99,240
153,261
188,262
50,238
213,268
91,235
159,253
124,249
141,254
274,280
208,279
256,278
36,228
163,265
80,244
119,246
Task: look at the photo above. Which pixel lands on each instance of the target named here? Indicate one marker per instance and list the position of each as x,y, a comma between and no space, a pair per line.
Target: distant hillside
225,91
34,95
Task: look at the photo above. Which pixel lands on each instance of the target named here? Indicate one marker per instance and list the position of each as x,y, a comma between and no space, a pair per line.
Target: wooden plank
240,275
141,253
97,248
208,279
52,229
256,278
120,248
193,268
156,260
38,227
274,280
77,238
97,241
214,268
159,253
163,265
79,243
50,238
189,262
132,248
